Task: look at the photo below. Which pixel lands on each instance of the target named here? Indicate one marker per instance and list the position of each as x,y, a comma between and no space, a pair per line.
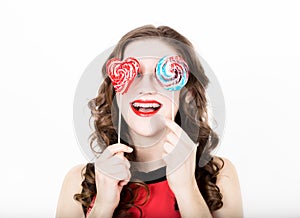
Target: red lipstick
145,108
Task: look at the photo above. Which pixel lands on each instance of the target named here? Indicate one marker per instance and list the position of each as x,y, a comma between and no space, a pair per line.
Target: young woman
163,166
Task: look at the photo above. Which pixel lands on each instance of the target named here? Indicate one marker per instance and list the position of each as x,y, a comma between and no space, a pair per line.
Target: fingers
112,150
173,127
172,138
114,176
120,172
114,171
177,134
178,148
116,148
125,181
112,162
126,162
168,147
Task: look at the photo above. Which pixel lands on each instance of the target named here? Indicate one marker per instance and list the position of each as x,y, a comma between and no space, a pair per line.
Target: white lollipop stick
119,123
173,106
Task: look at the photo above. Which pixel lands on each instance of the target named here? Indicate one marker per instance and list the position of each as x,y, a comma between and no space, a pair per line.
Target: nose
147,85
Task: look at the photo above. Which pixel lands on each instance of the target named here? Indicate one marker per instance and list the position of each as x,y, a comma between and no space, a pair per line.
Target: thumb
123,182
120,154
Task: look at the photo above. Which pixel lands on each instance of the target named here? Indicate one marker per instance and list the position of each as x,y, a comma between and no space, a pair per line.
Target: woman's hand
111,174
180,157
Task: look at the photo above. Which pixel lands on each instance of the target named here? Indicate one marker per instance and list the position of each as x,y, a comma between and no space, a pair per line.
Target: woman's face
146,100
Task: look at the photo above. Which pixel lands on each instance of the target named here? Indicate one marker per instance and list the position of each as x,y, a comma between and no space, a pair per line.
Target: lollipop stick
173,102
119,126
172,105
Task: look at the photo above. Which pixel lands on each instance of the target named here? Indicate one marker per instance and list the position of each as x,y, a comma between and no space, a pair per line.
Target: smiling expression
146,99
145,108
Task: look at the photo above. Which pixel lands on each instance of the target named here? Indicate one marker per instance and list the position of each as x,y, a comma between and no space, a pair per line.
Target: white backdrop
252,46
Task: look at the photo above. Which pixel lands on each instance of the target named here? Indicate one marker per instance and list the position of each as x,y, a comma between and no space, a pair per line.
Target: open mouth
145,108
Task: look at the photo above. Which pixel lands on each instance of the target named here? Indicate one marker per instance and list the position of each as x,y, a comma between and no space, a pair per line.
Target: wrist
101,209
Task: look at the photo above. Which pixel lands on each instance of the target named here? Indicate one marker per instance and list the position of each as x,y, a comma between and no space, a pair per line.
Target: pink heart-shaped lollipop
122,73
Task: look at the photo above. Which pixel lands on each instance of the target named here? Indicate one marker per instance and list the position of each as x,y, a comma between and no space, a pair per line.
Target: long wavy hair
193,119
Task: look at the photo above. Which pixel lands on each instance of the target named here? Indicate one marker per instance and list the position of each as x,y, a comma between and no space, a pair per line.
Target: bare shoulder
228,183
67,206
76,173
228,170
74,178
227,177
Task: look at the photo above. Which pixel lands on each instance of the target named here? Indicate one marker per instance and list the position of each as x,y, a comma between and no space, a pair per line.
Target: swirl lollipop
172,72
121,74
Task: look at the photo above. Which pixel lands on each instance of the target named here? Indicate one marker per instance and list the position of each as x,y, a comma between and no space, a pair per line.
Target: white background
252,46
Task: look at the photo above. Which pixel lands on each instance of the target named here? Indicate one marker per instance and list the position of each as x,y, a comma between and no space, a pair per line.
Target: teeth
146,105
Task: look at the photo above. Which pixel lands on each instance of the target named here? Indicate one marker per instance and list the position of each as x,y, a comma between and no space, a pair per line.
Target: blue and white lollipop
172,72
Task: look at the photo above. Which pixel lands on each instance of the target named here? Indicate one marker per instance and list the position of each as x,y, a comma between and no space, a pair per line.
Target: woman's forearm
191,203
100,212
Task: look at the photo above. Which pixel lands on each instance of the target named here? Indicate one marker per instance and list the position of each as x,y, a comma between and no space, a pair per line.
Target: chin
145,129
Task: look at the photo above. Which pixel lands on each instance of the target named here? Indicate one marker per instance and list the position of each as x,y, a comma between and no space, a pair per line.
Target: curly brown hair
194,120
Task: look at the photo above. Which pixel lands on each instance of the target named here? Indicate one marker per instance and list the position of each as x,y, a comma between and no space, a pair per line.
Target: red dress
161,202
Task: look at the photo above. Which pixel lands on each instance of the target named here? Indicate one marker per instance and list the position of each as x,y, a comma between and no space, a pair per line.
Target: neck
149,150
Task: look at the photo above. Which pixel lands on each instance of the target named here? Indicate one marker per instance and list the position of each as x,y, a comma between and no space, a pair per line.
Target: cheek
124,105
123,99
